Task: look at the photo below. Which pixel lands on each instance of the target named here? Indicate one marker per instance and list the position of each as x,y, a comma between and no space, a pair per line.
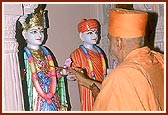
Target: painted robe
79,60
36,102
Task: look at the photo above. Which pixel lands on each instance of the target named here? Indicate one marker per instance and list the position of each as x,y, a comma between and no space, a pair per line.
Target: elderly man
137,83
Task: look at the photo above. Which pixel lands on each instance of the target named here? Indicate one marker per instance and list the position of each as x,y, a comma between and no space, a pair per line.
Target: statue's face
90,36
35,36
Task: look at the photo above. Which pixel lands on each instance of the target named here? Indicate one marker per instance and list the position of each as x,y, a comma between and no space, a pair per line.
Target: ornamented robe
35,100
137,84
79,60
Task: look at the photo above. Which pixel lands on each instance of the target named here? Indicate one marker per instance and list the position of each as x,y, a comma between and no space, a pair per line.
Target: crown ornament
36,19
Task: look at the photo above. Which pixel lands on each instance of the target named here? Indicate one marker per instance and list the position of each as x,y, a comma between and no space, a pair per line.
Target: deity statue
45,85
89,57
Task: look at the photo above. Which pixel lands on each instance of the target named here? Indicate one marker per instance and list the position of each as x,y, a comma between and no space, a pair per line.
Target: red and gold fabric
79,60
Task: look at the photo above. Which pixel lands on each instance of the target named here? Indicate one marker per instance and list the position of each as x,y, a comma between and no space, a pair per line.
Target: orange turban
127,23
86,25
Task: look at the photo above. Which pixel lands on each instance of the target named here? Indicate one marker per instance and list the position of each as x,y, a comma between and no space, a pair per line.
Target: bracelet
91,86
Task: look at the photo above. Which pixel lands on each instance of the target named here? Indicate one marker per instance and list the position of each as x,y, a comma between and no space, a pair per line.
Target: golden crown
35,19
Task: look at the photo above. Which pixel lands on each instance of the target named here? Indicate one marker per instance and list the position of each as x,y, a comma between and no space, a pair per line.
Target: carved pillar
156,26
104,43
12,87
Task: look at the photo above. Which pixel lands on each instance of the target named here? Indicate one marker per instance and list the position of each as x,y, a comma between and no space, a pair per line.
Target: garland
90,61
49,93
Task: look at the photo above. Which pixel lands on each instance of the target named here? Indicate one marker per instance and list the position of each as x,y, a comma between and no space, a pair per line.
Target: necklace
40,60
48,94
90,61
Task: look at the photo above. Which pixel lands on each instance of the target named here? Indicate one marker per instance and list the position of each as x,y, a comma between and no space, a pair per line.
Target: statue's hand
71,77
79,74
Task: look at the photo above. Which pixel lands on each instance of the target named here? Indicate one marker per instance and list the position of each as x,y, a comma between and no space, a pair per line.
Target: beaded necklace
90,61
35,76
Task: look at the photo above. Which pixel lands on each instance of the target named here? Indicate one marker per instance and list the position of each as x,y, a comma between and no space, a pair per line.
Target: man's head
88,31
126,30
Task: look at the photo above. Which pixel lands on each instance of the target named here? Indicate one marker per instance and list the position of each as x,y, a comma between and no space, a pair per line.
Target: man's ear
119,42
24,33
81,36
